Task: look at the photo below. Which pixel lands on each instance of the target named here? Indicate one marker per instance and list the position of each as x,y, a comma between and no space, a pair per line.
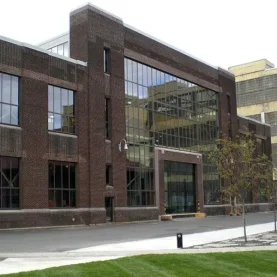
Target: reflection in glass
165,111
179,179
61,111
9,93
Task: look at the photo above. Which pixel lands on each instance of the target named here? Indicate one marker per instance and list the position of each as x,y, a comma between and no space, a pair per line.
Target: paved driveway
65,239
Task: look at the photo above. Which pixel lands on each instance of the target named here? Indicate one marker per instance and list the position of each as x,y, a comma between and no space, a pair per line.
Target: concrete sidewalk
17,262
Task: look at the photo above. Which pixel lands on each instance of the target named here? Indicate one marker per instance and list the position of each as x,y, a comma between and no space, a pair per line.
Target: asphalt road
65,239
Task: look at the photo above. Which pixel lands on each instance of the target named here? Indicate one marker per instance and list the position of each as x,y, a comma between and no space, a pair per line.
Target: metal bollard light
179,240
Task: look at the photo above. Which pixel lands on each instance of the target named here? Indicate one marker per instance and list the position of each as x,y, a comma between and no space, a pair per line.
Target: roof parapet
98,10
23,44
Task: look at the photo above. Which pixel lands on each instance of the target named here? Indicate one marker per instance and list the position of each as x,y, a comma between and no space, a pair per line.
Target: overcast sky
220,32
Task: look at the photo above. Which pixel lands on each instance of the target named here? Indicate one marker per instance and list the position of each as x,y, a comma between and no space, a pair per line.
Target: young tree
237,163
268,186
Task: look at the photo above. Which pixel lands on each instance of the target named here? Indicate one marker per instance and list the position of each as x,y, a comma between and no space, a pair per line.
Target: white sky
220,32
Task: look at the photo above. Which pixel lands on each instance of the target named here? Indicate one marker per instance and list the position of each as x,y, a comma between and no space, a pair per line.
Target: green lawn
241,264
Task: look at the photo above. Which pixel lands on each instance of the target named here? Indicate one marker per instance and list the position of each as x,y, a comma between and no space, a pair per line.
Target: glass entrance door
179,179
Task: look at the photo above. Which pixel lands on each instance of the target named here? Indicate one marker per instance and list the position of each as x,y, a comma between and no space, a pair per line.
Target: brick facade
90,32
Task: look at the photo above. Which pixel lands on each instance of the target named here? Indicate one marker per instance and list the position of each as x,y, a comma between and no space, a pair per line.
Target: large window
9,183
61,110
62,185
165,111
9,102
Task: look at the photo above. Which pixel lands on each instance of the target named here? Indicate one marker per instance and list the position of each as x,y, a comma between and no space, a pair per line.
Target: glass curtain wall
165,111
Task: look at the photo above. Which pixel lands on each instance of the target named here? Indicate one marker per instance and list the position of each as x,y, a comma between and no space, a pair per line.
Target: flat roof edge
226,71
53,38
249,63
168,45
36,48
98,10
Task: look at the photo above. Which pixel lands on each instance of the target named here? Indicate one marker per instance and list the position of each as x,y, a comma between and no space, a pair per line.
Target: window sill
61,208
62,134
2,125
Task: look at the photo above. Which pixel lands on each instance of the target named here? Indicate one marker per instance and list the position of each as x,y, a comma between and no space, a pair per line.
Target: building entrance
180,195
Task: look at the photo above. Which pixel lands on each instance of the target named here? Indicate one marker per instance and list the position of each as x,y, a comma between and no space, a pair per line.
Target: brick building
107,123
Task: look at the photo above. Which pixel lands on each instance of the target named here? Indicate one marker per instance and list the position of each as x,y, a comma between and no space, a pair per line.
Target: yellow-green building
256,88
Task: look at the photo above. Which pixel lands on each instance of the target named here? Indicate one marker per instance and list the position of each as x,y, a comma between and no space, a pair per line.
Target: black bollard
179,240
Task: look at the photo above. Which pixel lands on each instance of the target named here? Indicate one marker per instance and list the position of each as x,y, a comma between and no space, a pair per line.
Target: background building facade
256,85
69,110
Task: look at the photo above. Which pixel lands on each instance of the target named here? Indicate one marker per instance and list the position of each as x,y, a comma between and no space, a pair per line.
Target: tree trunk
244,221
275,217
274,208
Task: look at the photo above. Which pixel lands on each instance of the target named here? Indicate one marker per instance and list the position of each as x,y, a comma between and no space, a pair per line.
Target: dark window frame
71,118
10,104
11,180
62,188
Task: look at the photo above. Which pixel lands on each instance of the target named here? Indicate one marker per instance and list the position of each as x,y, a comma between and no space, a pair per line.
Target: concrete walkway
15,262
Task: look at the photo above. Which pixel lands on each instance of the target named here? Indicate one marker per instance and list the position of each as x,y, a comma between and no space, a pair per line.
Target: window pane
66,49
58,176
14,90
15,198
6,114
58,198
1,92
64,101
50,121
140,73
72,199
129,70
50,99
135,72
57,122
60,49
70,102
14,172
6,173
54,50
57,100
65,124
72,177
65,169
14,115
6,198
6,88
51,197
65,198
71,127
51,175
